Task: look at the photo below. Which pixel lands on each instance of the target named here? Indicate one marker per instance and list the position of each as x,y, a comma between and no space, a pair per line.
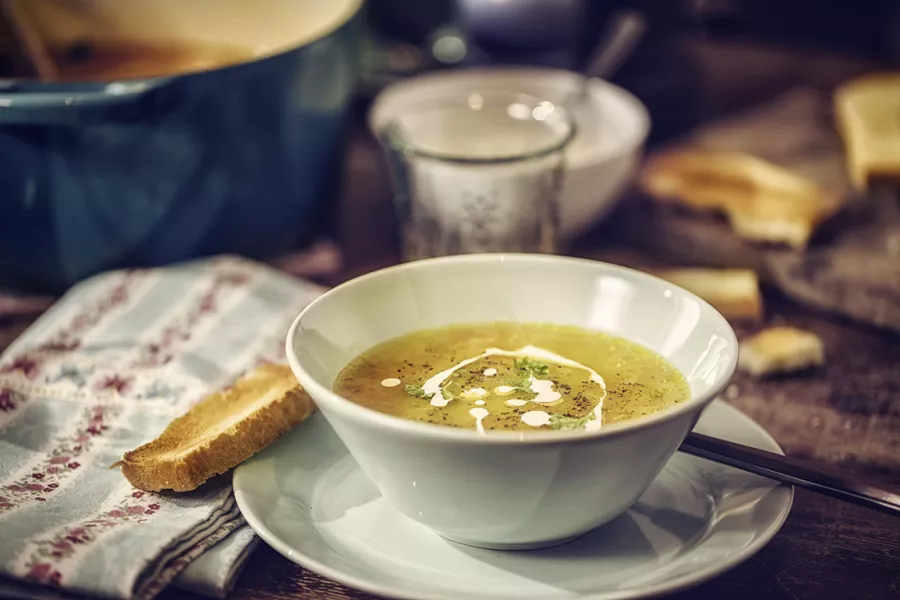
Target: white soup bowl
510,490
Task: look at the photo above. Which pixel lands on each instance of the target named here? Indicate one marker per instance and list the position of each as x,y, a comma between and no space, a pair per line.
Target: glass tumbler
478,172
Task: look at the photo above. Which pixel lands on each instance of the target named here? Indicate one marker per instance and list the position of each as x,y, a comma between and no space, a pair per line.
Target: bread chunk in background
219,432
781,350
733,292
867,110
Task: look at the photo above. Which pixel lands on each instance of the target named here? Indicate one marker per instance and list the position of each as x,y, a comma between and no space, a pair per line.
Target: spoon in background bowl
624,31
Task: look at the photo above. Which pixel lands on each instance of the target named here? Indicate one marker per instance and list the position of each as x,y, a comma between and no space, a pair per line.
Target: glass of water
478,172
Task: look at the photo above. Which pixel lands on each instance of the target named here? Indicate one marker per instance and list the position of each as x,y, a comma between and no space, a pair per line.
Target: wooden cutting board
852,266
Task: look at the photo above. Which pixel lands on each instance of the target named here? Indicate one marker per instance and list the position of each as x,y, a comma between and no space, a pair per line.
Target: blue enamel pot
144,172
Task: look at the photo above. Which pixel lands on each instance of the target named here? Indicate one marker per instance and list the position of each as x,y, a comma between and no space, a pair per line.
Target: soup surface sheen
514,376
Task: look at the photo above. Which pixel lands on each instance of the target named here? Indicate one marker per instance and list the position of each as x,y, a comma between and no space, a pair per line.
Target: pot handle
81,104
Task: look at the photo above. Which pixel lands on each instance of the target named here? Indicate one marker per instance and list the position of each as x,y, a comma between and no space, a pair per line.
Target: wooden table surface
846,414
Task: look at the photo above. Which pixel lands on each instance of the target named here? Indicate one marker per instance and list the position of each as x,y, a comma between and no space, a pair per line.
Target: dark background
668,71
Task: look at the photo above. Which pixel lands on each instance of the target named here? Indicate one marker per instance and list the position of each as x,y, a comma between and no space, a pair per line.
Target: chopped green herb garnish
564,423
416,392
451,390
528,366
521,385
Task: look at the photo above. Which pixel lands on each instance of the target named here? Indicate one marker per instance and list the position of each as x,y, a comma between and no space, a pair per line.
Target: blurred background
696,56
149,132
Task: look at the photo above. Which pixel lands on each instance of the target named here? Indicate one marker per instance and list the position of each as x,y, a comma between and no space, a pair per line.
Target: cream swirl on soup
519,376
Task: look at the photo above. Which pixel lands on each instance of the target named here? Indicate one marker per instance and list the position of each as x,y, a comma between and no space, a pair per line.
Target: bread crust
219,432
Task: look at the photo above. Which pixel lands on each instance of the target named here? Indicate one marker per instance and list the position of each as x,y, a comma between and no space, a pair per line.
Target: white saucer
306,498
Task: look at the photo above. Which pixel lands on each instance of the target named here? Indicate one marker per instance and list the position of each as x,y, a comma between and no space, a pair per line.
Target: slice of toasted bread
762,201
733,292
781,350
219,432
867,110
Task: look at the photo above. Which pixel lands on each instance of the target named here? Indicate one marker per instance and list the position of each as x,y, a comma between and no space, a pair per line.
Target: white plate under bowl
306,497
602,160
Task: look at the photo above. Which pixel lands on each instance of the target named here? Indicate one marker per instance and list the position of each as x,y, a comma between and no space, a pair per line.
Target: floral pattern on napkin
105,370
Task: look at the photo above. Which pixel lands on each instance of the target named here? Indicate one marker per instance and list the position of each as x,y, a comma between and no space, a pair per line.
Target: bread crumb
781,350
733,292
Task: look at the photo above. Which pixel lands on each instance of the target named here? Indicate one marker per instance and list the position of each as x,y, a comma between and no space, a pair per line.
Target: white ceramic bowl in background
510,489
602,160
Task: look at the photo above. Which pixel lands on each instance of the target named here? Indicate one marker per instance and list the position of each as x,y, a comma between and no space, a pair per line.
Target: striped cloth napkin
103,371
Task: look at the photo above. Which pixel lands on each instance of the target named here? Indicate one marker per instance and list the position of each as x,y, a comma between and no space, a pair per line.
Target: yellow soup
514,376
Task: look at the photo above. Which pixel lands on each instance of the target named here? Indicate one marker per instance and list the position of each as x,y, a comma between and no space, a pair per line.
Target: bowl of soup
511,401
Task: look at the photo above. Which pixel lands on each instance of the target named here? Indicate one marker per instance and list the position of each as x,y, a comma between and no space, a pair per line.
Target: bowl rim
371,418
429,83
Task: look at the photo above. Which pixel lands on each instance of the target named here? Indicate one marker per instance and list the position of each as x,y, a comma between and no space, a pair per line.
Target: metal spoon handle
793,471
624,31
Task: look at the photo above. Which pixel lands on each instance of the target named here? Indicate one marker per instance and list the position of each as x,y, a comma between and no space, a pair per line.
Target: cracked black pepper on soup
513,376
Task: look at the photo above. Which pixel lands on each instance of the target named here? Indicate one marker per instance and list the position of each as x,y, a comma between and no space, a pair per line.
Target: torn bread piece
867,110
781,350
733,292
762,201
219,432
